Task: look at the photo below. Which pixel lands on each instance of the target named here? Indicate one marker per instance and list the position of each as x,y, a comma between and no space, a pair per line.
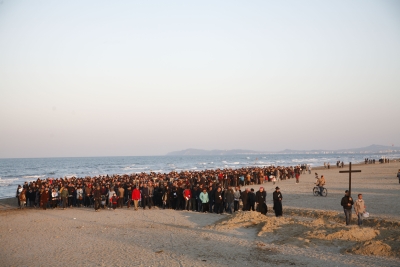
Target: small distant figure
359,208
325,165
329,165
309,169
342,164
347,204
277,197
398,175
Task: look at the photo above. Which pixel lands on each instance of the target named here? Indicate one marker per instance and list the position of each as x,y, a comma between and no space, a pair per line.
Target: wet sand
311,232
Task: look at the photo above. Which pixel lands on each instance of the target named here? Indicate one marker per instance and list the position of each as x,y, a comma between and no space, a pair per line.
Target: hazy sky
116,78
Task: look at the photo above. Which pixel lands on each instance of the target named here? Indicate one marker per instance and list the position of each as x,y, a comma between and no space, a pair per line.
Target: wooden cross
349,172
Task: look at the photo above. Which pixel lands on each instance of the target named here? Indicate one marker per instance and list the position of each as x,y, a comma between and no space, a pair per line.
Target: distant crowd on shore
214,191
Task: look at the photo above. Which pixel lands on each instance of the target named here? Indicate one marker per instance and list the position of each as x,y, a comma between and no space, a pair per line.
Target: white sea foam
33,176
7,182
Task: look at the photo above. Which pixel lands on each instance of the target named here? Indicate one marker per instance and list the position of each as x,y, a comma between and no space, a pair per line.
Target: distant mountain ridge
216,152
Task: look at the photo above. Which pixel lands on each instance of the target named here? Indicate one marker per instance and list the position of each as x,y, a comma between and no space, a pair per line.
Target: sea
15,171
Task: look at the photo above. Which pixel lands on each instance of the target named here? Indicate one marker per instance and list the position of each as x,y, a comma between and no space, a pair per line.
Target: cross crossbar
349,172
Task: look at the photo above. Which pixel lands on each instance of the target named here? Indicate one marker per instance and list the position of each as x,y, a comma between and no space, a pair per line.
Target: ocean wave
7,182
33,176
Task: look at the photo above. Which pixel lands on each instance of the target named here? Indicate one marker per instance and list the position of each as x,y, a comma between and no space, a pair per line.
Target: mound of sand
354,234
251,219
376,248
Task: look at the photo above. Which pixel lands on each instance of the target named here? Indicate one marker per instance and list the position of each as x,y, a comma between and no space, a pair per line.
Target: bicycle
316,191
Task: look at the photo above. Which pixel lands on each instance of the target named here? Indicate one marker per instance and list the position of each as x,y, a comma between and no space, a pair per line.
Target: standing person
145,196
297,175
79,196
114,201
19,190
97,198
277,197
261,197
128,194
347,203
229,198
187,194
44,198
22,198
251,200
245,199
64,197
121,194
236,195
110,194
135,197
204,199
218,201
54,198
398,175
359,208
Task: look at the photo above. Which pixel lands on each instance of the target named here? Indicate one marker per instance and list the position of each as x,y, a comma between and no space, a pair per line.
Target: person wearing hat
347,203
277,197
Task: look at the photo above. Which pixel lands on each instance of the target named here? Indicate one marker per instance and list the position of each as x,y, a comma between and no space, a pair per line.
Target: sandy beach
312,231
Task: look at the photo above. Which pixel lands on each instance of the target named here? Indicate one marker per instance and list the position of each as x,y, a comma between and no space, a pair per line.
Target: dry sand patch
307,228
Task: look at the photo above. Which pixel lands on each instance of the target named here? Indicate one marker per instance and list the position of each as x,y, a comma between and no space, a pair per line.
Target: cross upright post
349,172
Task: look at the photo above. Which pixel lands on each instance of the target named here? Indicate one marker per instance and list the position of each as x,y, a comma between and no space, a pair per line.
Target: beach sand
311,232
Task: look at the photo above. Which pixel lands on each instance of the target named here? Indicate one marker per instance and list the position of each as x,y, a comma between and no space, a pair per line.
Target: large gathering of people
214,191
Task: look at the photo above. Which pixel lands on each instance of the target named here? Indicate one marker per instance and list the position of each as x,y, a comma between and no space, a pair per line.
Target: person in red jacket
135,197
187,194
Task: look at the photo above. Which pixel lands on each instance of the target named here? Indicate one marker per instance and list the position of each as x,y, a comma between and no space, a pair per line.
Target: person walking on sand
277,197
347,203
359,208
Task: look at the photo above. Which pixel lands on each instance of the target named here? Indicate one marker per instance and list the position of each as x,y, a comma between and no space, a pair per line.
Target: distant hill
202,152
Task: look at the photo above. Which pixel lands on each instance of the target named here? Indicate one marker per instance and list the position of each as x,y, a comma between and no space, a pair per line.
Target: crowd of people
215,191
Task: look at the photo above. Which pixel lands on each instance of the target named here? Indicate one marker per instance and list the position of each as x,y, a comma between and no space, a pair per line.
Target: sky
137,78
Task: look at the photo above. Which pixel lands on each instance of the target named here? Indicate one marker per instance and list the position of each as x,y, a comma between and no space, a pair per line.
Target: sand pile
354,234
251,219
376,248
310,227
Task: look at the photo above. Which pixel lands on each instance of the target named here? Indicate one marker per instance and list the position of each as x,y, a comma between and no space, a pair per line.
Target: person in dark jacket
245,199
261,197
145,196
229,198
218,201
97,198
251,200
347,203
277,197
